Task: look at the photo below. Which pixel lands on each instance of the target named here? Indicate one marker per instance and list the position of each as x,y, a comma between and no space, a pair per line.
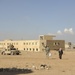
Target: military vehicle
10,51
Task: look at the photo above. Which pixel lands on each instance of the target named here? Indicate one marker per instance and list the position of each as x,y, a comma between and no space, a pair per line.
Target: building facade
34,45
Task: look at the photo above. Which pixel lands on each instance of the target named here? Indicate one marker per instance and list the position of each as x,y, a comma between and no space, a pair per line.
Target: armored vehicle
10,51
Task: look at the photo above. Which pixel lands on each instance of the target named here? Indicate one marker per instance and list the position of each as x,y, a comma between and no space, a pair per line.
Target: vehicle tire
2,53
17,53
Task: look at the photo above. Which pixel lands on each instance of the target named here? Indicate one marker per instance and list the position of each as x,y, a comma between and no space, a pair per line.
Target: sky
27,19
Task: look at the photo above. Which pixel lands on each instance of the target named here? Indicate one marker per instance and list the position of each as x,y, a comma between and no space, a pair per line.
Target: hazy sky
27,19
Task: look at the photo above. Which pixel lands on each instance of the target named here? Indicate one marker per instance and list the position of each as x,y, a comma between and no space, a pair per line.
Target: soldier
47,49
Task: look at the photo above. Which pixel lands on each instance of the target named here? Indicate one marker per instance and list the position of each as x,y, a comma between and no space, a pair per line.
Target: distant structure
69,46
34,45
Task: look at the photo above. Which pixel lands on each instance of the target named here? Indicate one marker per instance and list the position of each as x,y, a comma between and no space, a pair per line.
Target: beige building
34,45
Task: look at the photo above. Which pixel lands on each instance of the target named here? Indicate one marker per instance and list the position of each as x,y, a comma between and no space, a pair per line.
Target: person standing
47,50
60,53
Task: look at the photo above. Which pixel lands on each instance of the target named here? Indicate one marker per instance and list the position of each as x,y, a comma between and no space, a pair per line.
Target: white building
34,45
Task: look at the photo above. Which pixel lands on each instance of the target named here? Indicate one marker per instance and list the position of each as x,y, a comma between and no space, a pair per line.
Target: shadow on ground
14,71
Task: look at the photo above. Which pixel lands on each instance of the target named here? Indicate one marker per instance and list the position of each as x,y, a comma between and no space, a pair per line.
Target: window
12,43
16,43
24,48
56,44
26,43
35,43
27,48
30,49
36,49
32,43
7,43
4,43
17,48
42,43
33,49
23,43
29,43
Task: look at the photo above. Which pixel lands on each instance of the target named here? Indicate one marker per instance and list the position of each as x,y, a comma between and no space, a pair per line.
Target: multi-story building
34,45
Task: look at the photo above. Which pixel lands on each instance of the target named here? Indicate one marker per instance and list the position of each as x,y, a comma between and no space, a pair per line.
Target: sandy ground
33,60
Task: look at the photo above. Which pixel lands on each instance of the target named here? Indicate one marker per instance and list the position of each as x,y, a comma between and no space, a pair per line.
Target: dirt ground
33,60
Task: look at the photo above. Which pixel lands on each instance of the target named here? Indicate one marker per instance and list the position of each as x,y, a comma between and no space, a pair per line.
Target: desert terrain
33,61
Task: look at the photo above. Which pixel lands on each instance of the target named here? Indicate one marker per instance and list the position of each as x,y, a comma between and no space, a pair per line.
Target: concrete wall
27,45
56,44
46,37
